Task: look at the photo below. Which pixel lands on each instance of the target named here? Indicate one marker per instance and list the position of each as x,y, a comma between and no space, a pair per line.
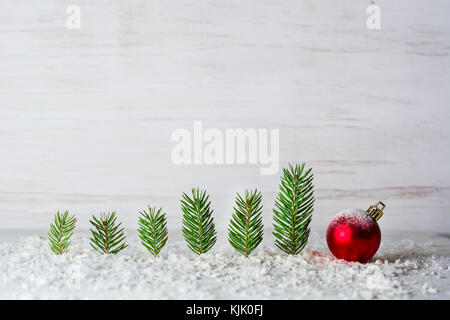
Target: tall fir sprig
245,232
293,209
61,231
107,237
198,224
153,230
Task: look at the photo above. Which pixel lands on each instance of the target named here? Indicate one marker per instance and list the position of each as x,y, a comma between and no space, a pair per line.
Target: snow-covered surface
402,269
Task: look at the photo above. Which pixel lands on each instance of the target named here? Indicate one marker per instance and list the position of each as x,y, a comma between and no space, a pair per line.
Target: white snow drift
29,270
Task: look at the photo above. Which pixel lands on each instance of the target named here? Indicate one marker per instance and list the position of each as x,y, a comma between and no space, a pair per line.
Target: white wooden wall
86,115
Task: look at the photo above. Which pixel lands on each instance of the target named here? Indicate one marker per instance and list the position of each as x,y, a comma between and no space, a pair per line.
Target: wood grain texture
86,116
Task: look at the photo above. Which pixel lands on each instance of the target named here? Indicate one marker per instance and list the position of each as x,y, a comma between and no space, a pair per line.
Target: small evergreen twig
107,237
293,209
198,223
61,231
152,230
245,232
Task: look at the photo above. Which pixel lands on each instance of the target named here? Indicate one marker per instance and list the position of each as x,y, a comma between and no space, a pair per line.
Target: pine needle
293,209
152,230
198,223
107,237
61,231
245,232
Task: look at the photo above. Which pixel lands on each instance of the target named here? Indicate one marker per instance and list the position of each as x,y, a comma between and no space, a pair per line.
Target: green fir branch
61,231
107,237
293,209
245,232
198,223
153,230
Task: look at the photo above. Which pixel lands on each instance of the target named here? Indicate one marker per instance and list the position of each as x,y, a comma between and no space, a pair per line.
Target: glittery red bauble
353,235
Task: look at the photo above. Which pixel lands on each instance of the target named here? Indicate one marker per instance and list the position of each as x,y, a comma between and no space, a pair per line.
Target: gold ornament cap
376,212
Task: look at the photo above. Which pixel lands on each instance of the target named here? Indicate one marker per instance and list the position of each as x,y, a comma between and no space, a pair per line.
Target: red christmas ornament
354,234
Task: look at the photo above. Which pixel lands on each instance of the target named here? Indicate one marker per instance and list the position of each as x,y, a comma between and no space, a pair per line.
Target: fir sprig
293,209
245,232
61,231
107,237
198,223
152,230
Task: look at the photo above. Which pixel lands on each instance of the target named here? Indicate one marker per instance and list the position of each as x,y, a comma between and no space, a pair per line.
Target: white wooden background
86,116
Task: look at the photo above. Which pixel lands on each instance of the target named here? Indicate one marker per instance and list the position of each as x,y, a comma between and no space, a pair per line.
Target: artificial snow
400,270
354,217
357,216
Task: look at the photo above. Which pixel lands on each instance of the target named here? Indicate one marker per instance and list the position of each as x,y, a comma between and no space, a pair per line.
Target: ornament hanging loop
376,212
